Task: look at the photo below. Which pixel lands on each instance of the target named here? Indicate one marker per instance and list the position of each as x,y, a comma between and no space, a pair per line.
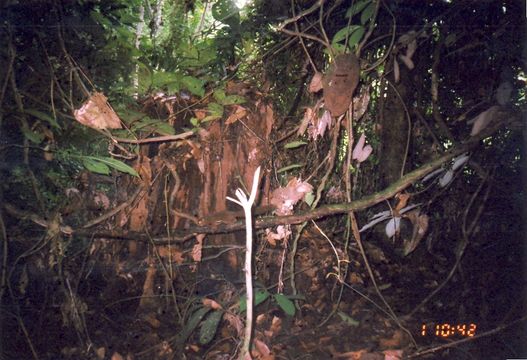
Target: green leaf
367,13
356,36
294,144
309,198
130,116
158,126
33,136
209,327
43,116
95,166
226,12
344,32
233,99
194,321
123,133
145,76
173,87
113,163
337,49
287,305
129,19
357,7
219,95
163,128
100,19
194,85
290,167
259,297
163,78
124,34
348,319
385,286
215,112
296,297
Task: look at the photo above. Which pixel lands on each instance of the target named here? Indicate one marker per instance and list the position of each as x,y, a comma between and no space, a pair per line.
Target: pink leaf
316,83
323,123
361,152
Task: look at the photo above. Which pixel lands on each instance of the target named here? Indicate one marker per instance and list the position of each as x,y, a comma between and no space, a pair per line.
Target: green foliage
192,324
215,112
102,165
194,85
34,136
348,319
294,144
285,304
367,13
260,295
223,99
153,126
357,7
309,198
352,34
283,301
289,167
44,117
96,164
226,12
209,327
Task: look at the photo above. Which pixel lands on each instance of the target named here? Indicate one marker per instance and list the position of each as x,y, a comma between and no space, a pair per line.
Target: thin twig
301,15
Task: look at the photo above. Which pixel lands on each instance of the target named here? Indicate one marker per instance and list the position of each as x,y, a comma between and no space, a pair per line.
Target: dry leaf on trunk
340,82
97,113
420,226
483,120
316,83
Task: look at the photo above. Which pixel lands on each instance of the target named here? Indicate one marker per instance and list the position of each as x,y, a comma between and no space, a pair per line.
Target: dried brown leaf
393,354
276,325
396,71
309,113
340,82
238,113
420,226
97,113
234,321
198,247
211,304
483,120
360,103
262,350
402,200
316,83
200,114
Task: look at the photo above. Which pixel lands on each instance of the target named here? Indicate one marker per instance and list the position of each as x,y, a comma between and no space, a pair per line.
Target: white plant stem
247,203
